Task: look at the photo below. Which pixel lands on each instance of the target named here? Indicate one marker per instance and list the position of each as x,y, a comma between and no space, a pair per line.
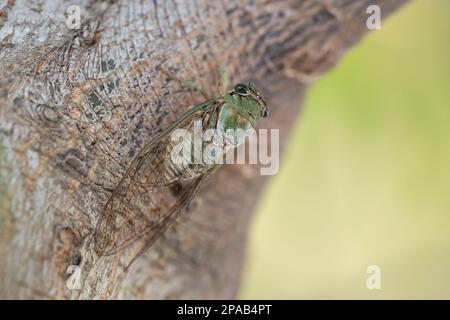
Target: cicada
152,181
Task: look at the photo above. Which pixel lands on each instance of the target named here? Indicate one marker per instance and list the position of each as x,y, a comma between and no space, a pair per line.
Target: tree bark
77,105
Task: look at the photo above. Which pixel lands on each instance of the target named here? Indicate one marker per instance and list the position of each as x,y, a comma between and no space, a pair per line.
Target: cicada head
248,101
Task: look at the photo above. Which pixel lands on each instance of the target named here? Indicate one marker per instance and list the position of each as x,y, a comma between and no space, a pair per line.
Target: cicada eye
265,113
241,89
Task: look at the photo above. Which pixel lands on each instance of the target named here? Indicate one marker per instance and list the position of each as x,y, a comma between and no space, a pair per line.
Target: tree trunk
77,105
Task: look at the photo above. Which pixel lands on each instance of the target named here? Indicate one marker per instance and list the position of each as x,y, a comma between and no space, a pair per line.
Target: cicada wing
143,203
155,231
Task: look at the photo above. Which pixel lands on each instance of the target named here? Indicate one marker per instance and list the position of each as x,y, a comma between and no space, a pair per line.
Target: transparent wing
147,200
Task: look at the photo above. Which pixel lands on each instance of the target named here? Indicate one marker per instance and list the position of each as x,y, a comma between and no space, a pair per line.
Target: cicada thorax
234,127
201,145
234,124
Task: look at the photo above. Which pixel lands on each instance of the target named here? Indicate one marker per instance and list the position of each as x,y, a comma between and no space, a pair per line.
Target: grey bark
77,105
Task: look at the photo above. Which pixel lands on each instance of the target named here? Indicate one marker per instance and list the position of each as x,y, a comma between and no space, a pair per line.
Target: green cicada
133,211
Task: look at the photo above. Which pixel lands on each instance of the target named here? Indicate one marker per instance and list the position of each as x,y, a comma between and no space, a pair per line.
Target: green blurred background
366,176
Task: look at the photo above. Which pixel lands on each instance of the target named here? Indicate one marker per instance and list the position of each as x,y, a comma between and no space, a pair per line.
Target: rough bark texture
77,105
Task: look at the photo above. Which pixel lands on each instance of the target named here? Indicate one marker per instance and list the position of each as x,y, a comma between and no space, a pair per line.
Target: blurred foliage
366,176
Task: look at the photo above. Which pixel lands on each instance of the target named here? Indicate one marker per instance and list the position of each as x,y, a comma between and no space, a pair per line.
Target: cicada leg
218,72
223,80
187,83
